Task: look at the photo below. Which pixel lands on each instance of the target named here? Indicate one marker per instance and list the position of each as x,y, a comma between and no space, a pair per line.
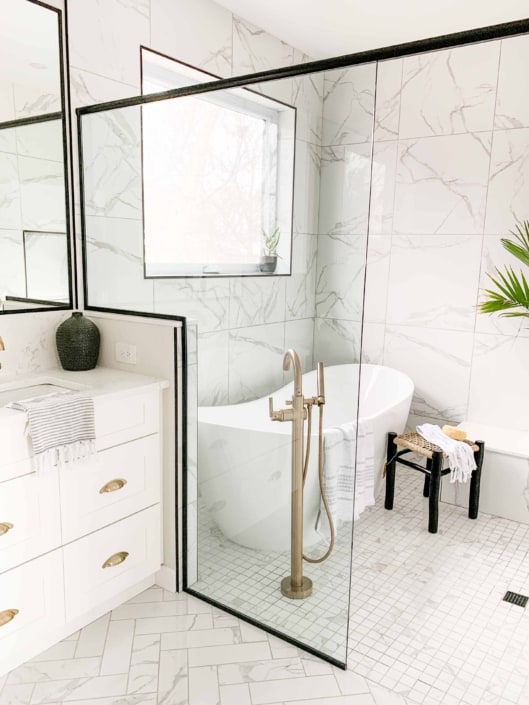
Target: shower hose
320,479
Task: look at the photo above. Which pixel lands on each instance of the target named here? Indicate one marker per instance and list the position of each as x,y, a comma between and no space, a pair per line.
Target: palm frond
512,292
519,247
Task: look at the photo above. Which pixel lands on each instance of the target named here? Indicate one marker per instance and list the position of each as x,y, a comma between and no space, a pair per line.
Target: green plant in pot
511,294
268,262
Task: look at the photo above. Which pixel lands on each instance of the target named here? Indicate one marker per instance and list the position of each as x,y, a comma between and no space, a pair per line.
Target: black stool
414,443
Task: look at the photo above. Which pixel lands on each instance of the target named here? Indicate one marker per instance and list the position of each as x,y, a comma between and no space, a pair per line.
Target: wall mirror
34,211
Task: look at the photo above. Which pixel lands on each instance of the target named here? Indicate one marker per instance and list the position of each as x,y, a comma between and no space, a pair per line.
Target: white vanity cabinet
76,541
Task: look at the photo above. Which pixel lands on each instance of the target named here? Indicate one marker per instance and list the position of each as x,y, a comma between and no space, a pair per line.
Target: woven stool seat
418,444
433,470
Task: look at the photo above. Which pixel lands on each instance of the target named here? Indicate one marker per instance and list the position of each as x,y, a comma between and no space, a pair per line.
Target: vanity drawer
31,605
101,565
117,482
123,418
29,518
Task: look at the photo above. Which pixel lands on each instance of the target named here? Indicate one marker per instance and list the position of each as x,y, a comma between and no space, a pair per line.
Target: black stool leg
435,484
475,481
390,470
426,488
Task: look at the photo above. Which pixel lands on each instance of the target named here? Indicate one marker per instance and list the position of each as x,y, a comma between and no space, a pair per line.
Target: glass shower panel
239,483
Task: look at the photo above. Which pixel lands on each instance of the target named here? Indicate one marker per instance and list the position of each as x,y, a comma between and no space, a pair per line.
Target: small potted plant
268,262
511,296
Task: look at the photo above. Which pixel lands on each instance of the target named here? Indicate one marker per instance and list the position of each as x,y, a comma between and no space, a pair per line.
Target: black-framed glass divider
185,196
303,163
35,261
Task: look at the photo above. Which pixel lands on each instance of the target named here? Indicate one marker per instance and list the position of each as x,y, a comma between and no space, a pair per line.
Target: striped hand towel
61,427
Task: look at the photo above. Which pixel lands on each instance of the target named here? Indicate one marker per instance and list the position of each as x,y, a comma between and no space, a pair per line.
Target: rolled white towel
460,455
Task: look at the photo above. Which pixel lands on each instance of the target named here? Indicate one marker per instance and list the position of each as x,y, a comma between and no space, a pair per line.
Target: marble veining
348,105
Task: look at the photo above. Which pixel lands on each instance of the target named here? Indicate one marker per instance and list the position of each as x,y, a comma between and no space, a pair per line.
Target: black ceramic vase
77,341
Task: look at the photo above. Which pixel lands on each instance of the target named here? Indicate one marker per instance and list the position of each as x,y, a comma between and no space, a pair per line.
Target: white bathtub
244,459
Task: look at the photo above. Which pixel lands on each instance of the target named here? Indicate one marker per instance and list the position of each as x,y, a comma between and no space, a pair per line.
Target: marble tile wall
450,178
244,325
346,156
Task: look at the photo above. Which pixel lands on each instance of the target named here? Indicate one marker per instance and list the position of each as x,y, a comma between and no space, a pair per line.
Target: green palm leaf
512,292
519,247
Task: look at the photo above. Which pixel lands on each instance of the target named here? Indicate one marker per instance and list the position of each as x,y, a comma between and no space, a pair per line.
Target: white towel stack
61,427
460,455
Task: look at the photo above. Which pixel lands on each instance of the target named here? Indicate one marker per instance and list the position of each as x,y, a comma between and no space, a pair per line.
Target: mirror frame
38,305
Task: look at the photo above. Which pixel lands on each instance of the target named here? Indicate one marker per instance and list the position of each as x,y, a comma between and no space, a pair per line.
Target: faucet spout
292,356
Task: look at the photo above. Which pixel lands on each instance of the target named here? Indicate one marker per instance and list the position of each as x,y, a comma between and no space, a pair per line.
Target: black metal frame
499,31
65,116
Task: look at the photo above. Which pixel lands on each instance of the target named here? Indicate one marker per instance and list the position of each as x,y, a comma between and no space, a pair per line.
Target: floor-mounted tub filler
245,460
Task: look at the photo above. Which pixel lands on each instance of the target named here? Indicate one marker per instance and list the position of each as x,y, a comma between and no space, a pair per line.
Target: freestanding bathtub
244,458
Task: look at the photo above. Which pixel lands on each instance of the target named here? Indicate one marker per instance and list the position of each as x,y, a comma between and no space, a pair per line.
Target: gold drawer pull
116,559
113,485
6,616
4,527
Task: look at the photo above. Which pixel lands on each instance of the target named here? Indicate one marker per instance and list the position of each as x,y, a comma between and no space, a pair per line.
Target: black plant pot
268,263
77,340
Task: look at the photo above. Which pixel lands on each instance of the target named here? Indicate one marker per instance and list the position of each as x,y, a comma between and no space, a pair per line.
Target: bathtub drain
514,598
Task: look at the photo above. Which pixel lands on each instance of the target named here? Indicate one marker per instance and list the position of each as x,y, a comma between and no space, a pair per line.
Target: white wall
452,155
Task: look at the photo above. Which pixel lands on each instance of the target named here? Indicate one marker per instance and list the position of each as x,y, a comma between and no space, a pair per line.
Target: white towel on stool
61,427
460,455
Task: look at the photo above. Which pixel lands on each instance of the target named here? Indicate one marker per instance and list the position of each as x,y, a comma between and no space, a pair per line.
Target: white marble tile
8,140
301,285
300,336
249,672
499,399
57,652
203,685
231,653
509,180
152,594
345,188
203,40
383,184
41,140
213,366
35,99
173,681
438,362
377,275
256,50
306,187
433,281
373,337
235,694
116,244
138,610
202,637
98,43
42,195
88,88
293,689
348,105
387,100
340,276
7,101
336,342
112,167
10,216
79,689
512,107
247,379
206,300
448,92
308,99
162,625
442,184
30,342
71,669
12,273
118,647
255,301
384,696
17,694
